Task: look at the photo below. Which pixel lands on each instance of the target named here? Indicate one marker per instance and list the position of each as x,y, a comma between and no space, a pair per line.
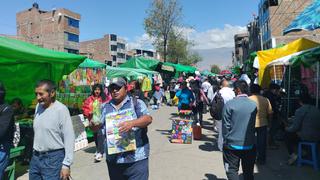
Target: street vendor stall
304,80
23,64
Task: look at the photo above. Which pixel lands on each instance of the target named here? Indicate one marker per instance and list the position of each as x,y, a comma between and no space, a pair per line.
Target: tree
215,69
163,17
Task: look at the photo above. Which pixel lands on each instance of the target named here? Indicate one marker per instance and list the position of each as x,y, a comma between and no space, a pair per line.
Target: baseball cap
119,81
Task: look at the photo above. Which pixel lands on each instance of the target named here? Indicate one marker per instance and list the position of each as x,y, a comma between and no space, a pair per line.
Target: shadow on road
212,177
91,150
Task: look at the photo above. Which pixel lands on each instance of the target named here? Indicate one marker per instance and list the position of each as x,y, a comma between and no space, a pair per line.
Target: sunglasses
115,87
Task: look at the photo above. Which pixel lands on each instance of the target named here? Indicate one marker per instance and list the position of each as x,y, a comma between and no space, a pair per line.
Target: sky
213,22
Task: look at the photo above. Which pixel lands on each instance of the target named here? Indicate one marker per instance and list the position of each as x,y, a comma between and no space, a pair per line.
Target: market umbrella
225,72
308,20
207,73
141,63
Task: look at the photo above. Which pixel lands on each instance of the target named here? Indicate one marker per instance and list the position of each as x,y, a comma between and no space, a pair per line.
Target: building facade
276,15
110,49
142,52
254,41
57,29
241,52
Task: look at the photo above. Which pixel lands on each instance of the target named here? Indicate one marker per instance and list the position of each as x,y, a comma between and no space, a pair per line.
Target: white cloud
141,42
216,38
210,39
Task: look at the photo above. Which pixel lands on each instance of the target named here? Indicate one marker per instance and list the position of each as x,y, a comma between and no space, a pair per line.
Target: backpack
216,107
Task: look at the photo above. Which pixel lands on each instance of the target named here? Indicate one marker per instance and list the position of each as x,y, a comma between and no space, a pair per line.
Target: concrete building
241,52
57,29
276,15
144,53
254,41
110,49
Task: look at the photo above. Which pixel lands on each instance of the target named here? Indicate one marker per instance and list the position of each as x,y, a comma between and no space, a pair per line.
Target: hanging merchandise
146,85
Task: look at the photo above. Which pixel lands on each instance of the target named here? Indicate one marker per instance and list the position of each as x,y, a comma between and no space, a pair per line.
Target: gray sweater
306,123
53,130
238,122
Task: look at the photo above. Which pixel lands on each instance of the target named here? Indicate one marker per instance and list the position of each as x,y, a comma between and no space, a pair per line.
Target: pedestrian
185,96
92,111
200,100
157,96
238,129
264,115
273,95
226,92
54,137
133,165
305,126
6,131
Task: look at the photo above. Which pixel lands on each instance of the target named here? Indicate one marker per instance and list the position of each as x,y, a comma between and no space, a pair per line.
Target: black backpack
217,107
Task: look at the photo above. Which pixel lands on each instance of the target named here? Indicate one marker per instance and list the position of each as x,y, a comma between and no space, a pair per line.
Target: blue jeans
129,171
46,166
4,158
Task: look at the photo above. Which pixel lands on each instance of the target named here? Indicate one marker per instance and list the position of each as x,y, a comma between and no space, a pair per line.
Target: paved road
197,161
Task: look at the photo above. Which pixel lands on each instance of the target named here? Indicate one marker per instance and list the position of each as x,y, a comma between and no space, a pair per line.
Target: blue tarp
308,20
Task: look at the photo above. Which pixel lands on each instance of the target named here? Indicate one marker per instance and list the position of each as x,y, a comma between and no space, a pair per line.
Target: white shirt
246,78
227,94
205,86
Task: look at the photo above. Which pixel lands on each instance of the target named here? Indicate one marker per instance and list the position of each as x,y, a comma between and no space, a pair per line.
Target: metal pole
289,81
317,98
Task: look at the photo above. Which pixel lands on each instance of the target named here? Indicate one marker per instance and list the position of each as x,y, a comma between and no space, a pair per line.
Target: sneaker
292,159
98,157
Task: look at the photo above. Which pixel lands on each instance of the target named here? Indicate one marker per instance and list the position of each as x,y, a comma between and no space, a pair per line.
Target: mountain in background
219,56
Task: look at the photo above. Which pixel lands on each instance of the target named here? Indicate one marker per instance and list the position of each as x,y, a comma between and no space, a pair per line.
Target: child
157,96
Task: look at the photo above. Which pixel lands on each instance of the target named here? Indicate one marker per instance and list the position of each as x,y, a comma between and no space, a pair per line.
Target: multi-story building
144,53
57,29
276,15
241,52
254,43
110,49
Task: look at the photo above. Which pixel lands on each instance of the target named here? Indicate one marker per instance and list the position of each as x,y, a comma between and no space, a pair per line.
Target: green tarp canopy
179,68
207,73
141,63
90,63
23,64
129,73
112,72
307,58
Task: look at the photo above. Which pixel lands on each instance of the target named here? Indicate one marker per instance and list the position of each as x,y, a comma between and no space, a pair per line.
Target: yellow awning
267,56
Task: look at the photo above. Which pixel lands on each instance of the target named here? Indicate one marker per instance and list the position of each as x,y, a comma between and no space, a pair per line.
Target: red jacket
87,105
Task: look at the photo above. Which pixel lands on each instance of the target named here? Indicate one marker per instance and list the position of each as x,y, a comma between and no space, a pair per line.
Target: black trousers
198,112
262,133
99,139
291,140
231,160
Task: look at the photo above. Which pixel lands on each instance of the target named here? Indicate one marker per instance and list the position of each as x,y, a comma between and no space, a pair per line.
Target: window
114,58
121,55
113,37
113,47
121,46
73,22
72,37
109,63
73,51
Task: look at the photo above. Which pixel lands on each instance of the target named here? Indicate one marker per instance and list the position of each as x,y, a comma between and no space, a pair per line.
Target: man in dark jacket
6,131
238,130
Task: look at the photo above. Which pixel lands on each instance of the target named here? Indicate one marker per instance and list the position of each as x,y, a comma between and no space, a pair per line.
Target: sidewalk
197,161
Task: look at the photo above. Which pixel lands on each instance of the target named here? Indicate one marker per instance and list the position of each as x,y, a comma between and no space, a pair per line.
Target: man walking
53,136
6,131
131,165
238,130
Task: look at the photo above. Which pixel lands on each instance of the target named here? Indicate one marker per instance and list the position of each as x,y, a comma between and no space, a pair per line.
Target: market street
197,161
